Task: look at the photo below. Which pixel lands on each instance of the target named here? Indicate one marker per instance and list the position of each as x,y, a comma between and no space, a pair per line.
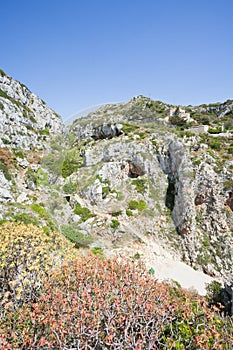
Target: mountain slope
164,157
139,178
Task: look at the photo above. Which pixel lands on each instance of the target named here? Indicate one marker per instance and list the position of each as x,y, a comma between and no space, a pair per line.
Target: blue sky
79,53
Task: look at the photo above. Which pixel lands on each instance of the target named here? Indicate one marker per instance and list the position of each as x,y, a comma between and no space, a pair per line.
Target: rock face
177,165
27,127
183,175
5,193
25,118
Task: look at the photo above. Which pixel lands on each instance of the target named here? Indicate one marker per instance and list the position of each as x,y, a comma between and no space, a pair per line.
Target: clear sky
79,53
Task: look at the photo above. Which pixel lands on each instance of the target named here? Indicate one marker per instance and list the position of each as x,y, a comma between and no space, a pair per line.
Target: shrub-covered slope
105,304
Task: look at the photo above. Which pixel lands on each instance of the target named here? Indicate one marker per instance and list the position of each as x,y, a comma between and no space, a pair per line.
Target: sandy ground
166,266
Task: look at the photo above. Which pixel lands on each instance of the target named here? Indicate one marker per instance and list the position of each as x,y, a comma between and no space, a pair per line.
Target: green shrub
40,210
129,128
213,294
70,187
217,130
84,213
26,218
228,121
142,134
2,73
202,118
4,94
53,163
33,120
105,191
117,213
31,176
115,224
19,153
97,251
140,205
5,170
45,131
42,178
6,141
56,143
129,212
140,184
228,185
214,144
71,164
178,121
72,233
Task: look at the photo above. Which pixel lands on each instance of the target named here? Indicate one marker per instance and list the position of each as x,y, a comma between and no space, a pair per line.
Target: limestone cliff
25,118
183,172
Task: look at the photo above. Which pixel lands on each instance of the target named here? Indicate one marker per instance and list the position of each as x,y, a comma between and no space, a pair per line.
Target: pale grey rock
23,163
5,185
1,212
30,184
24,116
22,198
181,172
93,192
106,131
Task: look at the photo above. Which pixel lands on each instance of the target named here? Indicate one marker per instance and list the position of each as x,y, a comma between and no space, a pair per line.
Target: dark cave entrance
170,194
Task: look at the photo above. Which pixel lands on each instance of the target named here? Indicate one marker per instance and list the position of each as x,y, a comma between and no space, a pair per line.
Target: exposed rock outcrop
26,121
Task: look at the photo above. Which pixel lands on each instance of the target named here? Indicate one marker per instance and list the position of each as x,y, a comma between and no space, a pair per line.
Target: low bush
26,219
140,184
129,212
53,163
5,170
94,303
228,185
129,128
178,121
97,251
31,176
137,205
42,178
105,191
45,131
115,224
72,163
70,187
83,212
40,210
214,144
26,255
73,234
217,130
117,213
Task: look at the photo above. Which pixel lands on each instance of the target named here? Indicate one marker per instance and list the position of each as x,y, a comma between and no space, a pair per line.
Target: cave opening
170,194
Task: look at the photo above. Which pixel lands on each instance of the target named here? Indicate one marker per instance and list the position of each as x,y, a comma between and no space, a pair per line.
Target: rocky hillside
25,118
142,179
164,171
